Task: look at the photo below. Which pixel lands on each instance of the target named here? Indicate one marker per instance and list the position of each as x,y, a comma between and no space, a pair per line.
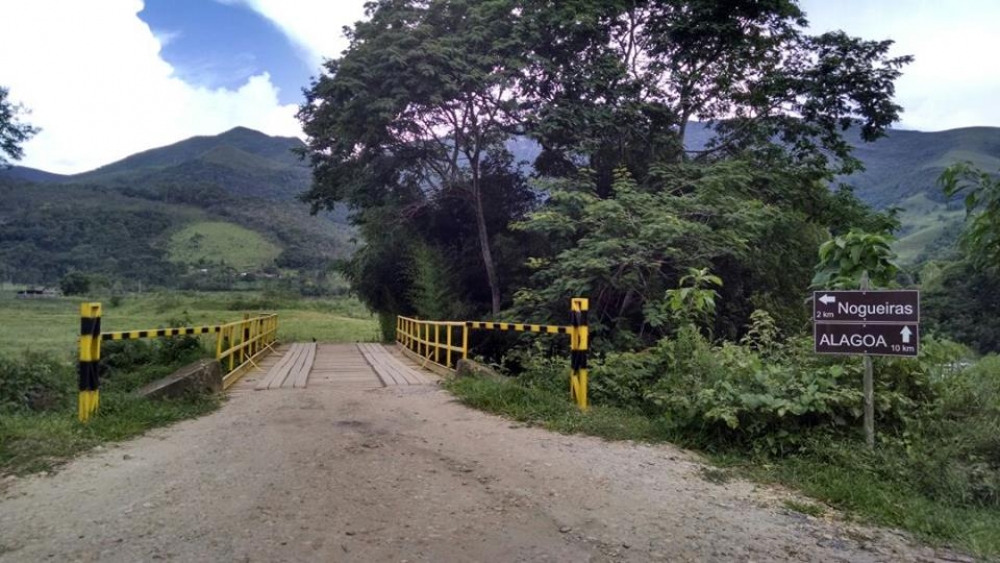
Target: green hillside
907,163
122,220
212,242
226,204
902,171
249,141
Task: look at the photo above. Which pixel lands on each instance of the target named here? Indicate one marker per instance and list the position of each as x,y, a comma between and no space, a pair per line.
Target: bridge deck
343,366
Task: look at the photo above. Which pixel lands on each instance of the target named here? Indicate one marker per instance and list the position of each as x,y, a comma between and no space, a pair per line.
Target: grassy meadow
38,425
51,325
216,241
924,222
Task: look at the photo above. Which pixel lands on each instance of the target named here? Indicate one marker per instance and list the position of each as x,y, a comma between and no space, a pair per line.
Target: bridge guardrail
237,346
424,339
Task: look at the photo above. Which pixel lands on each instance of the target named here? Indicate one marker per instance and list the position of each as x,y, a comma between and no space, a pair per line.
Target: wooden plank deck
292,370
389,368
340,366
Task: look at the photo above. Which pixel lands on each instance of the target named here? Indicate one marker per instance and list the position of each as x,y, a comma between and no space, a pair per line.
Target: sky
107,78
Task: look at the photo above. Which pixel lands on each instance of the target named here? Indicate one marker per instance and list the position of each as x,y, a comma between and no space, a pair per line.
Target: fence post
579,344
465,341
448,328
437,343
245,336
218,343
90,357
231,329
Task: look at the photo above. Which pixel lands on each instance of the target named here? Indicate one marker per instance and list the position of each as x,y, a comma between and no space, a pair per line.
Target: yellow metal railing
440,344
434,340
238,345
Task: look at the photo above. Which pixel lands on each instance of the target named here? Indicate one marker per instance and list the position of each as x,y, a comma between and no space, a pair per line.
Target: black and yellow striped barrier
160,332
238,345
579,345
519,327
436,341
90,358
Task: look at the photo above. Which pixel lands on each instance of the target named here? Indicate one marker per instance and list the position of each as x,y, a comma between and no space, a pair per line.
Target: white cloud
954,80
93,77
314,26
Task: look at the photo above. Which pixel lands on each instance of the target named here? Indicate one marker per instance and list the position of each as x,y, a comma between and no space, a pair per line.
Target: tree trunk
484,247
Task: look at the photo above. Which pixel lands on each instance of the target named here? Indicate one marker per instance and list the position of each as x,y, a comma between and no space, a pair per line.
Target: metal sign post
868,322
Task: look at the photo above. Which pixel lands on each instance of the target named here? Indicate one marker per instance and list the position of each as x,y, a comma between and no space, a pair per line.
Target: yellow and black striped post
579,344
90,357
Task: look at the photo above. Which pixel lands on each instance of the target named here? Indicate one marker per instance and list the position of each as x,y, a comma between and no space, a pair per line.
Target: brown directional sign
875,339
890,306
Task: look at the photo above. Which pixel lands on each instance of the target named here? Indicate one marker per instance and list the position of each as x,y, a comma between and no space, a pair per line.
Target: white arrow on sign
827,299
906,334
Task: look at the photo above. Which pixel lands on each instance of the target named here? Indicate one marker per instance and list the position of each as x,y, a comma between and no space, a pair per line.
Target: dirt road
403,474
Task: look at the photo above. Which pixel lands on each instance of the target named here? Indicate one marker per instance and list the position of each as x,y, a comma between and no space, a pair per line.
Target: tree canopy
412,128
13,132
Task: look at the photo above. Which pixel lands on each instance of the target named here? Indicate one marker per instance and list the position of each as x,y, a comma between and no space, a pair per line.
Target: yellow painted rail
443,343
440,342
238,346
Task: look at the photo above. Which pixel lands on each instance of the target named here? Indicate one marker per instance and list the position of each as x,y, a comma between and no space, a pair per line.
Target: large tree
13,132
416,115
424,96
620,82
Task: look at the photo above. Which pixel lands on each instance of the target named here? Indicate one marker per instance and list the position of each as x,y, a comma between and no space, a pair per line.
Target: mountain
25,174
210,206
902,169
908,163
197,213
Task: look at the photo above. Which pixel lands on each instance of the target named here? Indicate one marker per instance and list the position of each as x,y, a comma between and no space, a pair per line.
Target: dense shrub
35,383
129,364
775,396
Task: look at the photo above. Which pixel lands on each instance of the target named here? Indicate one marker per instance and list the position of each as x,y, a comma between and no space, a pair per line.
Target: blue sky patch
216,45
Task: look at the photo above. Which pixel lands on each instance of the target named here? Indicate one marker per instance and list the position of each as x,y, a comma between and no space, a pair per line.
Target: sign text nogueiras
877,323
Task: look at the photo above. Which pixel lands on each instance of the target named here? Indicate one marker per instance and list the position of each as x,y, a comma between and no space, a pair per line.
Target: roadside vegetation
38,381
38,401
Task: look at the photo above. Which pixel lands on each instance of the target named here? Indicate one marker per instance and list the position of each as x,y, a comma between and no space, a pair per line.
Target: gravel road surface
405,474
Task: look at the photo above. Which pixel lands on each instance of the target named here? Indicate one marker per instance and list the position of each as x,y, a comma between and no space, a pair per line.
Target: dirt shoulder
404,474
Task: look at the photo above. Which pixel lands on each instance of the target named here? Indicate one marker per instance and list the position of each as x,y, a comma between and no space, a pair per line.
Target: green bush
75,283
35,383
772,396
129,364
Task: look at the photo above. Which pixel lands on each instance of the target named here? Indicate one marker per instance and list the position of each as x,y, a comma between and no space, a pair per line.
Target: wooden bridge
250,353
342,366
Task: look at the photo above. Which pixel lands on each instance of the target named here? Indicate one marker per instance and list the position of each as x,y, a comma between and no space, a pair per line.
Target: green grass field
924,222
39,439
216,241
52,325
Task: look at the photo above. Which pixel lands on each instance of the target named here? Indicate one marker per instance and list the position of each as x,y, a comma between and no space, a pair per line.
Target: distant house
38,293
